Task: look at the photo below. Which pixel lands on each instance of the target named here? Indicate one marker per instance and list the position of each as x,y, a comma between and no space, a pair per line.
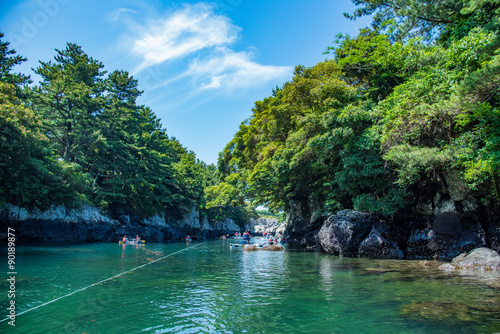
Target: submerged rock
250,248
275,248
482,259
441,311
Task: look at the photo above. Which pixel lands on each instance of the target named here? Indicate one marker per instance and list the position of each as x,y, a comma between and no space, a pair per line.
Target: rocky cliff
265,225
87,224
439,227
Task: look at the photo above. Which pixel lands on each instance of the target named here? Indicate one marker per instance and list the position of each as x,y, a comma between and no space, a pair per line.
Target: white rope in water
104,280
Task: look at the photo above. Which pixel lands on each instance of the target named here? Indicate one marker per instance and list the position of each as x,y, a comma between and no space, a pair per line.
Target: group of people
136,240
246,236
273,240
270,238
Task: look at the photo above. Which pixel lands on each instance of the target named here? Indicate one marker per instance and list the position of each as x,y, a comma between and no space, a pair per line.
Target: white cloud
114,16
230,69
199,40
186,31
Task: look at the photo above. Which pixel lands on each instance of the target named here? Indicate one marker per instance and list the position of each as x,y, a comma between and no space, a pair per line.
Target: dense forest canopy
398,108
79,137
385,120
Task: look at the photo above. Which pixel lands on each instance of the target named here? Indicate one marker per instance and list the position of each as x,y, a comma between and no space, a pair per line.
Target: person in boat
124,239
137,239
188,238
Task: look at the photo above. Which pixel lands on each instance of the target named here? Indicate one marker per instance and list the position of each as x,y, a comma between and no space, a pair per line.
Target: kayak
132,242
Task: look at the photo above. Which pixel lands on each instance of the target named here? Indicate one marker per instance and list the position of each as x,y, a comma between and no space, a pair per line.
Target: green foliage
9,59
28,172
267,214
240,214
412,161
325,151
467,54
412,18
375,65
221,195
69,99
399,105
80,137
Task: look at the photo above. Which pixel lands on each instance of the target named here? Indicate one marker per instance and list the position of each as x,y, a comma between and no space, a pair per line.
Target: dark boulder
447,223
97,231
343,233
380,244
494,233
455,228
302,226
303,240
418,241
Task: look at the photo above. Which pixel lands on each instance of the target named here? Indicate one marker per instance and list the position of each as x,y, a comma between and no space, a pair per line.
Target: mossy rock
274,248
443,311
250,248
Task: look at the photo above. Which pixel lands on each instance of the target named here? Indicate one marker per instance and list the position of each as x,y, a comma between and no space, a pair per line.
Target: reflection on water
211,288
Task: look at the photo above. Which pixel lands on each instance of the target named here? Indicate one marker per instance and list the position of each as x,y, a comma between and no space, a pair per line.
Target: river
207,287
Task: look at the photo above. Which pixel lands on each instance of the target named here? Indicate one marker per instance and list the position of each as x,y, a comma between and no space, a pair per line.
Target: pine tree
69,99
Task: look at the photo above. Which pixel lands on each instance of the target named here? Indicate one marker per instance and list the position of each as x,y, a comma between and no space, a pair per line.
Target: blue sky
201,65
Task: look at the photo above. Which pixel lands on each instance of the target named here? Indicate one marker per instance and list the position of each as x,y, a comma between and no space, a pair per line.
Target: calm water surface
210,288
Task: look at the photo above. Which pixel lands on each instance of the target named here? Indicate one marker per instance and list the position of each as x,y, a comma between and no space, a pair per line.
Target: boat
254,247
131,242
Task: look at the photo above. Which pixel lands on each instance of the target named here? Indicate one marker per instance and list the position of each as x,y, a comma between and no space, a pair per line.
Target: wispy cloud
200,41
186,31
114,16
230,69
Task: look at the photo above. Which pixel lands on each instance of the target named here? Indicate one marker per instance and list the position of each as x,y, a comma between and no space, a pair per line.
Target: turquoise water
210,288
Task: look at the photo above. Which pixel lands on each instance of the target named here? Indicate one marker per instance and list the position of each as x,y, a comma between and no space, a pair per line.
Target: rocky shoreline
89,224
449,231
358,234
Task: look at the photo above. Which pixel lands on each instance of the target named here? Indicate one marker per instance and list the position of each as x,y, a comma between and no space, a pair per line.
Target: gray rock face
195,224
481,259
58,223
263,225
88,224
301,226
453,228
